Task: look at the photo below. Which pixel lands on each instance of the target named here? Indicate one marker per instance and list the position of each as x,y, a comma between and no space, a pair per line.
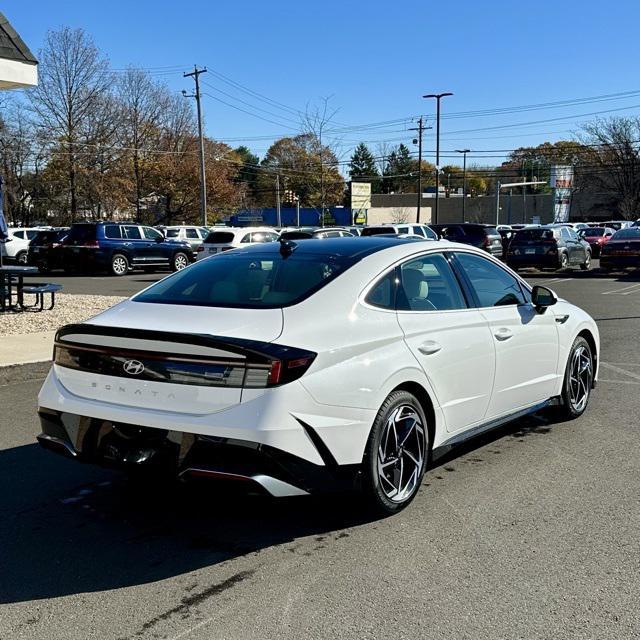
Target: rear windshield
219,237
627,234
46,237
248,280
80,233
525,235
376,231
595,231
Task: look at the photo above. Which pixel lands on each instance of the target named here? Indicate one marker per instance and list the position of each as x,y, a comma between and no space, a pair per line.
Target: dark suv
551,247
118,248
46,250
483,236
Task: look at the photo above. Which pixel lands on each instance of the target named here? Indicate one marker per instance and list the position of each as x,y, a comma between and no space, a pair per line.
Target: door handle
503,334
429,347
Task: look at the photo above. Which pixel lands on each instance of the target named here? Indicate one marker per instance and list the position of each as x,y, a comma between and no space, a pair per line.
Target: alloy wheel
22,259
564,261
180,262
119,265
401,454
580,378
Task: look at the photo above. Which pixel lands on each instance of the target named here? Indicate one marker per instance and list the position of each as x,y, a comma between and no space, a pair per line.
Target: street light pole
438,97
464,179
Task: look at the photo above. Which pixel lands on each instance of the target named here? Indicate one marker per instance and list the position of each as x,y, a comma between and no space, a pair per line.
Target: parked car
46,250
483,236
597,237
220,240
297,368
356,230
622,251
548,247
193,235
332,232
16,247
405,229
119,248
618,224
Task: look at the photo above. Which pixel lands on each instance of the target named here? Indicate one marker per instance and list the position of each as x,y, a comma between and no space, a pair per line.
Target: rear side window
248,280
192,234
112,231
81,233
374,231
172,233
220,237
418,231
151,234
132,233
429,284
31,235
382,294
493,286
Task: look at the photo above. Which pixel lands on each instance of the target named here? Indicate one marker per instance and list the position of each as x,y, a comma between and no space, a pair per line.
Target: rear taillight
283,371
485,242
200,248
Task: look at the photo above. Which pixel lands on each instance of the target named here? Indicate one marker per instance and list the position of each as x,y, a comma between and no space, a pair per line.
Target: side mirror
541,297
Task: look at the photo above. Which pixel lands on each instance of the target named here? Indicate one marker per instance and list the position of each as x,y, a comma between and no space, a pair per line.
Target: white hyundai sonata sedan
299,367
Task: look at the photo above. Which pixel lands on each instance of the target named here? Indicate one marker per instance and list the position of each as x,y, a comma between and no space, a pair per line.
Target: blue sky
375,59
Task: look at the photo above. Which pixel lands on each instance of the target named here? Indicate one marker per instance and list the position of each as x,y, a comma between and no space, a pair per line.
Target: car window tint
264,236
246,238
564,232
418,230
151,234
112,231
192,234
132,233
382,294
220,237
172,233
493,286
31,234
203,232
428,284
247,280
18,234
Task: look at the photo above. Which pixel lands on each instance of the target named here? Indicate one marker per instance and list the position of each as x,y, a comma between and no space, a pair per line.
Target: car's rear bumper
619,262
540,260
313,443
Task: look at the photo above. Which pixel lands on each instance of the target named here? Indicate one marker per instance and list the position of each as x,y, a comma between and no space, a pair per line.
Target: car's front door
450,340
525,341
135,244
156,249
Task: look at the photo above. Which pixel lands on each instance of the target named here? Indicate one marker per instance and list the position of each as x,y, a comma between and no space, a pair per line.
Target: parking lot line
624,291
612,367
619,381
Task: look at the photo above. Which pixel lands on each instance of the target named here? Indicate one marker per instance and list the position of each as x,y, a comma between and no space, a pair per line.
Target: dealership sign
562,184
360,196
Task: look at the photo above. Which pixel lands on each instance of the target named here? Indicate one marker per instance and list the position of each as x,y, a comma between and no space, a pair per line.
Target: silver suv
193,235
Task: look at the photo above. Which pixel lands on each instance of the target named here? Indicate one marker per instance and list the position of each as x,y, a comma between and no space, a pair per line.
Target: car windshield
627,234
249,280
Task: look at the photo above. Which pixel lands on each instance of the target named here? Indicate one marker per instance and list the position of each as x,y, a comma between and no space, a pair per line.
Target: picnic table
11,285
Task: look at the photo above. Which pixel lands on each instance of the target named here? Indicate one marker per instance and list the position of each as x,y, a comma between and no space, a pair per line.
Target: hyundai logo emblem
133,367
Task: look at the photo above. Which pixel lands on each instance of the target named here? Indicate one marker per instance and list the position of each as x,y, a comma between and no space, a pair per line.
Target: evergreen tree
400,171
362,164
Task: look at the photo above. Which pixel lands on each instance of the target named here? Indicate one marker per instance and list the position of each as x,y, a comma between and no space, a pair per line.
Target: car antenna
287,247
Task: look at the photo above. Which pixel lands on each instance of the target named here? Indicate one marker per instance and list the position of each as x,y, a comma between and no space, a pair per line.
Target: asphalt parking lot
530,532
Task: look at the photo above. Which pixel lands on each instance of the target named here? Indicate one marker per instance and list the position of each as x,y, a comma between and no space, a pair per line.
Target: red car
597,237
622,251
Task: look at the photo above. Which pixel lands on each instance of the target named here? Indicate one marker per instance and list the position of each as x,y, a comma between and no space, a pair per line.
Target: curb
13,373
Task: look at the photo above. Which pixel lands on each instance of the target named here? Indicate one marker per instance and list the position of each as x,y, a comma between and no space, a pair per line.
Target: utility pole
438,97
203,178
278,218
464,179
420,129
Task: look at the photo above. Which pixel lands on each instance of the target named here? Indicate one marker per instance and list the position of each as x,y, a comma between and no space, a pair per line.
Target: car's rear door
525,341
449,339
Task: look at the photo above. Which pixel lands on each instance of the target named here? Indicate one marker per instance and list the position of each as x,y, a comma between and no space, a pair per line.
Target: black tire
119,265
179,261
563,261
586,265
43,267
21,258
568,409
397,415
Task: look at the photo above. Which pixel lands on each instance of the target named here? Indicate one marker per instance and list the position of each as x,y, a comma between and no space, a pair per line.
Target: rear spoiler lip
259,351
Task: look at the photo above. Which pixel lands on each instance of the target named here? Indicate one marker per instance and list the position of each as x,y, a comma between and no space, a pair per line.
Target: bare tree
143,104
72,77
316,121
611,164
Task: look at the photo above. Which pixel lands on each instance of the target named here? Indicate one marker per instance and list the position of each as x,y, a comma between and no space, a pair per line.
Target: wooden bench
39,290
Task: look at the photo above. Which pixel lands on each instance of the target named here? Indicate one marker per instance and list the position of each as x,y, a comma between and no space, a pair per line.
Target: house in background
18,66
